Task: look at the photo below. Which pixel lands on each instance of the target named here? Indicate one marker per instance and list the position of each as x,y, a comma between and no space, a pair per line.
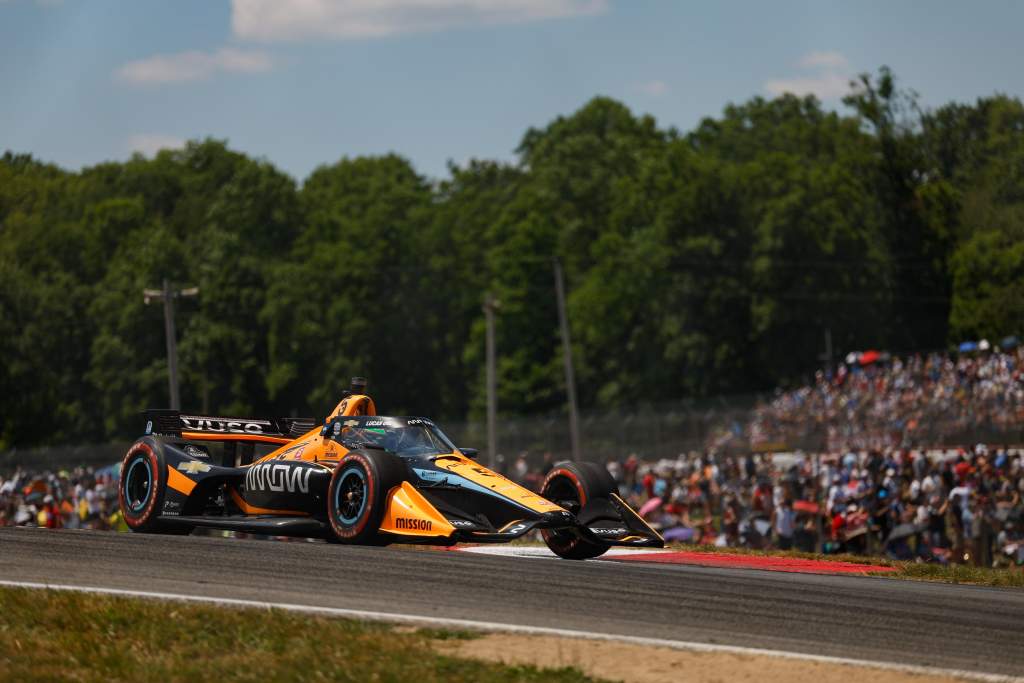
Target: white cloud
151,143
283,20
653,88
824,60
824,86
828,78
193,66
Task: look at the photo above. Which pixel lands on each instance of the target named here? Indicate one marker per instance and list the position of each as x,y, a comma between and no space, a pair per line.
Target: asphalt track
957,627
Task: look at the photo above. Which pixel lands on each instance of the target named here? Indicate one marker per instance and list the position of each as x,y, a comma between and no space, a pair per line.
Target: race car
358,477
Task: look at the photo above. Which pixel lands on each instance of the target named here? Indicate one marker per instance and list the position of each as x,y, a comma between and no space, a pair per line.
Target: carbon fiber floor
962,627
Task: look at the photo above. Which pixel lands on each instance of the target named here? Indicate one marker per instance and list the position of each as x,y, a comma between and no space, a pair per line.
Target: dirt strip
642,664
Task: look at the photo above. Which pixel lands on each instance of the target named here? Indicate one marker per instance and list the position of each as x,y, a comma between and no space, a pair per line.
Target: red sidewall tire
563,471
357,530
141,519
589,481
380,473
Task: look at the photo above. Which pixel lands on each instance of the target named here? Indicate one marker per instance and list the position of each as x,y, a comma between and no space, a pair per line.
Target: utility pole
168,295
819,487
490,306
826,357
570,379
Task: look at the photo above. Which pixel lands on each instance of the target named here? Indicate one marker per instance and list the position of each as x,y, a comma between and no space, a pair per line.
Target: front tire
572,485
357,495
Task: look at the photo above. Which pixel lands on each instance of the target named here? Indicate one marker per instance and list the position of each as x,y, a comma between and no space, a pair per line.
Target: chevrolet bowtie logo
193,466
351,423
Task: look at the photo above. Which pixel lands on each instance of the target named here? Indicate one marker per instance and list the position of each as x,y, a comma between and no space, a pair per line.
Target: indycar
359,478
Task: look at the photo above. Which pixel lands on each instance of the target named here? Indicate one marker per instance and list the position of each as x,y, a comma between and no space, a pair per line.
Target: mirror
470,453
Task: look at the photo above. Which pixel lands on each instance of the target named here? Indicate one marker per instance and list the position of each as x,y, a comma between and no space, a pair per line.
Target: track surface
959,627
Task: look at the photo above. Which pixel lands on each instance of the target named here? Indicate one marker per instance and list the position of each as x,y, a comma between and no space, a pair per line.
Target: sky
306,82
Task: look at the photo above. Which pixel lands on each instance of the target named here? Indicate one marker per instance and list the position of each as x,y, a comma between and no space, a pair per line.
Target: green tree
350,299
919,242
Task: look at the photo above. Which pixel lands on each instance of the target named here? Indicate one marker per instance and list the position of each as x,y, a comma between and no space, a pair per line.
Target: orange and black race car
358,477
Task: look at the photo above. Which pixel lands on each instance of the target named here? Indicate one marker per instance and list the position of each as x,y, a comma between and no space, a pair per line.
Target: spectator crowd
937,506
880,480
885,484
82,498
874,401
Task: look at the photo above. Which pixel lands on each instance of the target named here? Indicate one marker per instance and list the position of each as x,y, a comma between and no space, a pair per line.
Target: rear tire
357,496
572,485
142,489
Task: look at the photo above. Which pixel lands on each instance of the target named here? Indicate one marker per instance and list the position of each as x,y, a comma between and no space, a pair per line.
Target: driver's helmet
374,435
407,438
362,434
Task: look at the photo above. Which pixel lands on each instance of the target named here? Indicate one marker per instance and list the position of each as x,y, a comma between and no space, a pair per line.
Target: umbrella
680,534
649,507
1010,342
903,531
967,347
805,506
869,357
109,471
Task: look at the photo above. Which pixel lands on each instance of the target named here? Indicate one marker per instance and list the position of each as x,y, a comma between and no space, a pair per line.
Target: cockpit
403,436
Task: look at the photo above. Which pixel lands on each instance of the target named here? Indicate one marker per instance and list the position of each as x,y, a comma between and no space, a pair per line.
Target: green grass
962,573
63,635
448,634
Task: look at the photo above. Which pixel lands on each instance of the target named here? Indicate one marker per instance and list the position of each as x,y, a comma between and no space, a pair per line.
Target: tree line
700,263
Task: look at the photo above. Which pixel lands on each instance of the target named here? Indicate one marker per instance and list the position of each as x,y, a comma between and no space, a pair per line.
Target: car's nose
557,518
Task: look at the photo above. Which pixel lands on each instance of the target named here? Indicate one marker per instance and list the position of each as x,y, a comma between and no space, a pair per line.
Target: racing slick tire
142,489
357,495
572,485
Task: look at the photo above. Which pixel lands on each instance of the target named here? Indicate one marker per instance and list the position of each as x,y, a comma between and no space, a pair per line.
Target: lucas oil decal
274,477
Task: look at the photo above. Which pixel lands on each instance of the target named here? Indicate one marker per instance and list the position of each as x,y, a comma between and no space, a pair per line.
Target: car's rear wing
209,428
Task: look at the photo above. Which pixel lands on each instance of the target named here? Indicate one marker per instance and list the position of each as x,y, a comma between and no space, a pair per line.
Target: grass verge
962,573
64,635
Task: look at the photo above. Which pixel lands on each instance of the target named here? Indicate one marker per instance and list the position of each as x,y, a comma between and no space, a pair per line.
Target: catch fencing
663,431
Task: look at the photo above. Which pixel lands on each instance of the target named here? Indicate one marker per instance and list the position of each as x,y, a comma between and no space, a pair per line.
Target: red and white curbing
688,557
543,552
